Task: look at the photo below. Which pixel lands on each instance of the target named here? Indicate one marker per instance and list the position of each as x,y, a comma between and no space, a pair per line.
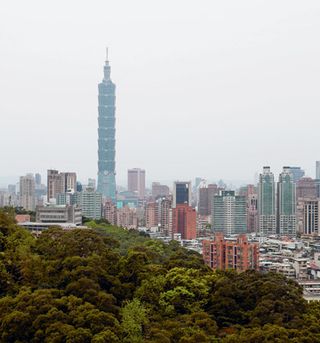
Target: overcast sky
204,88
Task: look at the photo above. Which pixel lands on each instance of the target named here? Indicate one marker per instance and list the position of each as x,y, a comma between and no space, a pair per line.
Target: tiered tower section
106,136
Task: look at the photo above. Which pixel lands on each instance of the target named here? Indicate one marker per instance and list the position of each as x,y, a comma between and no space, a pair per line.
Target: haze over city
211,89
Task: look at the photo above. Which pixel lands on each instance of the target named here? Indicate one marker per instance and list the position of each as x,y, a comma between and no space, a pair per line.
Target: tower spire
107,53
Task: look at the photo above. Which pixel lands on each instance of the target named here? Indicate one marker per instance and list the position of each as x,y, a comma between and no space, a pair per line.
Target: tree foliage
108,284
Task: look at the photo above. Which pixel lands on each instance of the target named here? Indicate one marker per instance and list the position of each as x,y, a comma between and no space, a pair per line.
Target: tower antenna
107,53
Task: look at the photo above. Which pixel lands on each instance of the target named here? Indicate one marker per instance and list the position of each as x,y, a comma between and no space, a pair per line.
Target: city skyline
238,66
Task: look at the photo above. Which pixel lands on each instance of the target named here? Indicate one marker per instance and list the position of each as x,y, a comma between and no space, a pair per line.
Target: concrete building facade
137,182
27,192
59,214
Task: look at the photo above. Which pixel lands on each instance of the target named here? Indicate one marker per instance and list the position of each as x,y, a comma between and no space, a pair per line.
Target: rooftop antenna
107,53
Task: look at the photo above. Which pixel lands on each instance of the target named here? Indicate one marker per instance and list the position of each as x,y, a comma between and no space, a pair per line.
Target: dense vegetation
107,284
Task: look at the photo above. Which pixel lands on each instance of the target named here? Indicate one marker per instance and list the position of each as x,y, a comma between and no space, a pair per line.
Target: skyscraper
159,190
27,192
267,203
229,213
318,170
137,181
106,136
306,188
286,203
297,173
184,221
91,203
181,193
58,183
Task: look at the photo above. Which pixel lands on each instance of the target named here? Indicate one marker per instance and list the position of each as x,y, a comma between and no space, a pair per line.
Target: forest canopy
108,284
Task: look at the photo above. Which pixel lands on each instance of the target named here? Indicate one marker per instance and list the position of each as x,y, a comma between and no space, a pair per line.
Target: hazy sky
204,88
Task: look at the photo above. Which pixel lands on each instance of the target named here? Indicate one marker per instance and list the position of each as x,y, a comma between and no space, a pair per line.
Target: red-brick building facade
224,254
184,221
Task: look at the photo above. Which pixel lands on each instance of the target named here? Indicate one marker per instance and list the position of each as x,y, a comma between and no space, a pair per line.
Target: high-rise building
308,216
222,254
159,190
318,170
165,215
106,136
184,221
152,215
252,212
70,181
181,193
203,201
137,182
55,184
58,183
306,188
286,203
27,192
205,198
12,189
229,213
127,217
267,203
37,178
110,212
92,183
297,173
91,203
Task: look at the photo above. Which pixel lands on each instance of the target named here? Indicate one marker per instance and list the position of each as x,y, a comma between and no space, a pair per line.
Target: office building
318,170
252,213
297,173
152,215
308,216
58,183
203,201
165,215
90,202
286,203
12,189
306,188
159,190
68,198
181,193
205,198
229,213
59,214
267,218
92,183
27,192
184,221
223,254
37,179
137,182
106,136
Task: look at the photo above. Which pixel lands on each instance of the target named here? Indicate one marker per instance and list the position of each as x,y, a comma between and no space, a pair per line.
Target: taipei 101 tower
106,135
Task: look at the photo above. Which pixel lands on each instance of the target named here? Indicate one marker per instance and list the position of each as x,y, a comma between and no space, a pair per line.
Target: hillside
107,284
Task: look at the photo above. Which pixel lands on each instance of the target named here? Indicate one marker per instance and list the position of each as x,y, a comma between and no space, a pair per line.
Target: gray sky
204,88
